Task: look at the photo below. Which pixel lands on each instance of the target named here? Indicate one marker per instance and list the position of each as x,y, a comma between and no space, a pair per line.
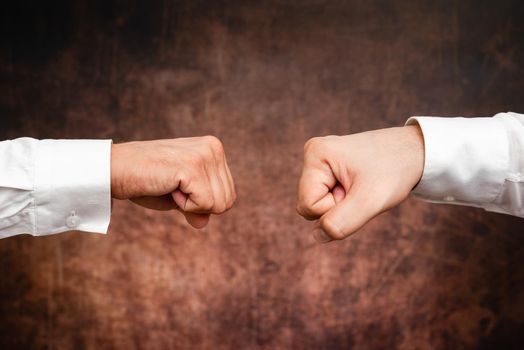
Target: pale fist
188,174
348,180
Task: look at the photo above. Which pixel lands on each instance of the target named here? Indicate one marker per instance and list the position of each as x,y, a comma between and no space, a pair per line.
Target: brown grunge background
264,76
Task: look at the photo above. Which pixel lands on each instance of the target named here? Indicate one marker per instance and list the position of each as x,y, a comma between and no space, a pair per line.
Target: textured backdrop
264,76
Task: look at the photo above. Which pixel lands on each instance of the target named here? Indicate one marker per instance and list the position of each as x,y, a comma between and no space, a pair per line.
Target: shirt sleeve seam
32,193
508,175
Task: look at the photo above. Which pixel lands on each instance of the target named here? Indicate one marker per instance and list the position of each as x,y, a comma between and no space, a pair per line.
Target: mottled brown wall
264,76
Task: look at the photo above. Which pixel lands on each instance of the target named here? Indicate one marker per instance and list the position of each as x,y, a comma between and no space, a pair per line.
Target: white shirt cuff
72,188
466,160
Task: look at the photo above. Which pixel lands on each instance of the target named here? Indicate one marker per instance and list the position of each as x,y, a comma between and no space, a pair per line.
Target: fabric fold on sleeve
466,159
72,189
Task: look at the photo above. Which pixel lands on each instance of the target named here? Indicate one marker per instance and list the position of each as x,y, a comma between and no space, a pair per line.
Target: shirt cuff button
72,220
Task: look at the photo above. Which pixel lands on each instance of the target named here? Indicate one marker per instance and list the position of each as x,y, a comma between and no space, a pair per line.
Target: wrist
116,183
415,146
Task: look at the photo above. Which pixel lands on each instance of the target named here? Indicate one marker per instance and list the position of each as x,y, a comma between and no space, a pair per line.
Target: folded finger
314,192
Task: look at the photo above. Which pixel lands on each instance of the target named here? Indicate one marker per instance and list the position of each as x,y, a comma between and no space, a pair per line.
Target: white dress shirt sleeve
474,161
52,186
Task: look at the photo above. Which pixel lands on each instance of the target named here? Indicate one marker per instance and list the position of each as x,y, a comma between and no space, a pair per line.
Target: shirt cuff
72,186
466,160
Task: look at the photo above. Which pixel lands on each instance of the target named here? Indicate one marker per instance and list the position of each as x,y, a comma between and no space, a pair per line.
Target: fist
348,180
187,174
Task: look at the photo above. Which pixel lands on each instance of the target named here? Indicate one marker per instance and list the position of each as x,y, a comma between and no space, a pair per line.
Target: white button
449,198
72,220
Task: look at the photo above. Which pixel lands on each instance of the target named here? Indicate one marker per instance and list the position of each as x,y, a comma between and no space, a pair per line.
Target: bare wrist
417,153
116,185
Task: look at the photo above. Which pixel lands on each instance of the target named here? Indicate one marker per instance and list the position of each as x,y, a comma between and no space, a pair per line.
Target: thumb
180,198
347,216
196,220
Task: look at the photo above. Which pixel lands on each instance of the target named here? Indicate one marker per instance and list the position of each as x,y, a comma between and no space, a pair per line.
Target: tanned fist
188,174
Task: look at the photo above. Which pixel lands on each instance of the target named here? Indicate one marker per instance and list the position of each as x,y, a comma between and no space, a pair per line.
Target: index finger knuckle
215,145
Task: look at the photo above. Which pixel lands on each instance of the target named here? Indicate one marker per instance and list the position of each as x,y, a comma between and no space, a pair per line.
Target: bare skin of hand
348,180
187,174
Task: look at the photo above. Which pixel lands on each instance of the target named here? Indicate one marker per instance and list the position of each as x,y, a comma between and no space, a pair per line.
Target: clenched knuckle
215,145
207,205
312,143
316,146
218,150
220,207
231,197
